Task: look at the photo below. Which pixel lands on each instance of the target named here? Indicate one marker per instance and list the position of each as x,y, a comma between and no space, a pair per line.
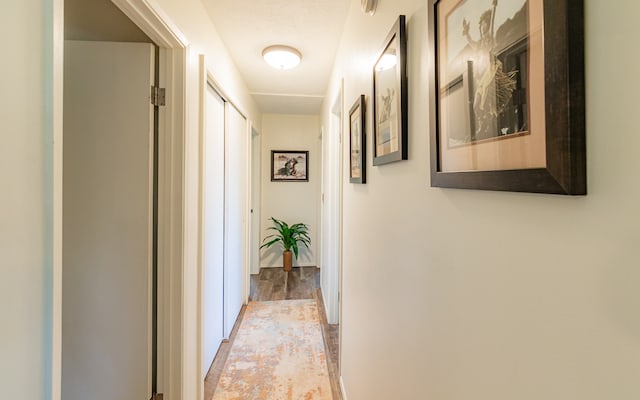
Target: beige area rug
278,354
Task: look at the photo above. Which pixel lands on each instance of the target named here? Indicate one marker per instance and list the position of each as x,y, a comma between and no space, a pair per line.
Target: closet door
213,226
236,215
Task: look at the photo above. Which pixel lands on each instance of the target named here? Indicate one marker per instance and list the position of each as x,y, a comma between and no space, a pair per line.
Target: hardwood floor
275,284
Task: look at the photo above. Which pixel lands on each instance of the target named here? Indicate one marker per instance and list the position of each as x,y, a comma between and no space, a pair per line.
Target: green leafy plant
287,236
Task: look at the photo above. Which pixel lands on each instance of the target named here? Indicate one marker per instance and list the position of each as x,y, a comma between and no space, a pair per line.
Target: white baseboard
344,392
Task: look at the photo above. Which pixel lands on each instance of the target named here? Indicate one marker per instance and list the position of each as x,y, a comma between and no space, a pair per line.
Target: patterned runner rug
278,354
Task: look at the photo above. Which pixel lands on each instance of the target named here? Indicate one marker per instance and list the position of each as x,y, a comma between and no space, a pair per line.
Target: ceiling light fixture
281,57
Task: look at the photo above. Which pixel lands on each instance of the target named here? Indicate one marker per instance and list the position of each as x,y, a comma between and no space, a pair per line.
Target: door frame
333,154
255,199
171,195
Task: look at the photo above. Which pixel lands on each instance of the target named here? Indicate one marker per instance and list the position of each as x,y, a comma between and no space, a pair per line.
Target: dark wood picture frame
564,170
390,120
357,142
289,166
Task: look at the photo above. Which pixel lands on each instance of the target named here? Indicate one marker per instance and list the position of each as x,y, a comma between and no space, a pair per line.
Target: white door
107,226
236,189
213,224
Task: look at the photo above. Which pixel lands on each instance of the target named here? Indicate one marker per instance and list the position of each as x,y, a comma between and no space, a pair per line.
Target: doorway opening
332,220
156,190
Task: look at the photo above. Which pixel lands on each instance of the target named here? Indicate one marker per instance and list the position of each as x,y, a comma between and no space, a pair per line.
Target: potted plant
288,237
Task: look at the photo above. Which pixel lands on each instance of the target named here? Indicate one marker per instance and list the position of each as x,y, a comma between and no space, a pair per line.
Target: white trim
247,213
332,264
150,18
190,193
202,89
344,392
58,99
339,296
170,231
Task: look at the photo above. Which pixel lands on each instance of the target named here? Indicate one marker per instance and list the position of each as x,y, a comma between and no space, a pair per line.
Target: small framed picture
289,166
357,142
390,98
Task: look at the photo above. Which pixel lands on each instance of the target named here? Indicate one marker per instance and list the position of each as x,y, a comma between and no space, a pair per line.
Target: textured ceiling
313,27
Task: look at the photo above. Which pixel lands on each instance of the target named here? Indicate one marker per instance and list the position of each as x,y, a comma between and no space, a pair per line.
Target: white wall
26,210
291,202
460,294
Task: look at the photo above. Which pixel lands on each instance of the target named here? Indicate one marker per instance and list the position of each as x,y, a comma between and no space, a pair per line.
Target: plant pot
287,260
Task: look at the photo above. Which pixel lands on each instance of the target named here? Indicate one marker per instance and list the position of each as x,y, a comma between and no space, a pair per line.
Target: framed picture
289,166
390,98
357,142
507,95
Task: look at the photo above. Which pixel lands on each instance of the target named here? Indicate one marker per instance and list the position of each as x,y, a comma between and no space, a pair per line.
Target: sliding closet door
236,206
213,226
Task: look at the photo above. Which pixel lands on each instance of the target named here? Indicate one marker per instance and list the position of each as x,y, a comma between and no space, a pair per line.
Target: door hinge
158,96
157,396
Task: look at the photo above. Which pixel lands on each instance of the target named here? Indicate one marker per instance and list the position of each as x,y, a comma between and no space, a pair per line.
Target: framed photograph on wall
390,118
507,95
357,142
289,166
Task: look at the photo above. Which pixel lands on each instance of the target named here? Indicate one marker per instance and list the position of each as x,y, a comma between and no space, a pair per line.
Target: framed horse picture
289,166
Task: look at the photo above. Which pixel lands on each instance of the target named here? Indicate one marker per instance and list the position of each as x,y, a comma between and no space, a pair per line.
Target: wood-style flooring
275,284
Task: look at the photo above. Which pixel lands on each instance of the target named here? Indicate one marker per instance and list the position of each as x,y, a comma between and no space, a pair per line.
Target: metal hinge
158,96
157,396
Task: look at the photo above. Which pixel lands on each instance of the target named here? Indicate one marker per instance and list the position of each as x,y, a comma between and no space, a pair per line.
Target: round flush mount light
281,57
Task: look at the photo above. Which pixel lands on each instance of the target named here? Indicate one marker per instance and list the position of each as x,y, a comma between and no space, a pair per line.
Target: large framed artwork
390,97
289,166
507,95
357,142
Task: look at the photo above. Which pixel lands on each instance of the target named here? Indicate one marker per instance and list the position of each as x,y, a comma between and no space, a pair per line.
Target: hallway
273,284
482,294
